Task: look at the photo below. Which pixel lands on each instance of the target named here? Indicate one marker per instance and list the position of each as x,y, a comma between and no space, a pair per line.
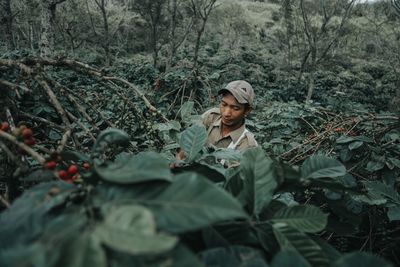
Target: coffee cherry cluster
4,126
23,134
68,173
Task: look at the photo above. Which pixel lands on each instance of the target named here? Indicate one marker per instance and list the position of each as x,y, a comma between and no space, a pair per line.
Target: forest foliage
96,96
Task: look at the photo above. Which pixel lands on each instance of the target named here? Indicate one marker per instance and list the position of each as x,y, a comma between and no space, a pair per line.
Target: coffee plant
89,175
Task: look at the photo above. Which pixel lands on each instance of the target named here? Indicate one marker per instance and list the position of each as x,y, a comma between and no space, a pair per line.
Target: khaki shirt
212,121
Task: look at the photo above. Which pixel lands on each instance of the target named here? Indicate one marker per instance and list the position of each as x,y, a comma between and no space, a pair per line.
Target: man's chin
227,123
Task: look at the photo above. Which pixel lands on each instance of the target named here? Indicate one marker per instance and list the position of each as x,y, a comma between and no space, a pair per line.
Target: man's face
232,112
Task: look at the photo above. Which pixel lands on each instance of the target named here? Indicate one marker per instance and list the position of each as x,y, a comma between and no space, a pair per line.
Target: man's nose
227,112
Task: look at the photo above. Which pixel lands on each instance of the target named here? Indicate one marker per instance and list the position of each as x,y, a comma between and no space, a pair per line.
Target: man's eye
223,104
236,108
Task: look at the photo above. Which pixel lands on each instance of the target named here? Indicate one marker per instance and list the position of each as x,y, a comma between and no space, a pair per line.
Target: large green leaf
306,218
258,174
192,141
143,167
132,229
360,259
378,188
238,256
26,219
289,258
290,238
186,109
320,166
82,250
394,213
178,257
110,136
192,202
24,256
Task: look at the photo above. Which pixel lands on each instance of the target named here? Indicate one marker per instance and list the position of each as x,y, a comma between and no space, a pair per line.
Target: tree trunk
46,37
48,15
171,47
106,39
8,24
288,17
313,67
197,47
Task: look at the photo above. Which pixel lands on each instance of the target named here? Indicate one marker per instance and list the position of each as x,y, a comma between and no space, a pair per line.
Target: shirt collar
234,134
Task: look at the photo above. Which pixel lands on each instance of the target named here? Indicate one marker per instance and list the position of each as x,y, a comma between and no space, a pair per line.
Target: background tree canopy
96,96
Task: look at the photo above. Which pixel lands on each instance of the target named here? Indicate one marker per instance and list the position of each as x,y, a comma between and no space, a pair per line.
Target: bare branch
23,146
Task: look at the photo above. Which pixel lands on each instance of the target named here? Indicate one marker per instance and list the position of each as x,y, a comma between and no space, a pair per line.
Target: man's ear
248,110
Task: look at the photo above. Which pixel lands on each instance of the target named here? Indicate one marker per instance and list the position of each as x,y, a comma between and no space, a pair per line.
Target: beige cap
241,90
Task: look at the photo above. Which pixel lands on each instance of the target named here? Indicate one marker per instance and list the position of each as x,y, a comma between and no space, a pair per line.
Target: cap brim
238,98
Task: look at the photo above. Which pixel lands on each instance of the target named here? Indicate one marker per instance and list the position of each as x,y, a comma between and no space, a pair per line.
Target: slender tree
48,16
287,9
175,39
200,10
320,40
153,11
6,19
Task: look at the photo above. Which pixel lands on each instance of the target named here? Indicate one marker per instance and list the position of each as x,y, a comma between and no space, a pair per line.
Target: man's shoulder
210,116
211,111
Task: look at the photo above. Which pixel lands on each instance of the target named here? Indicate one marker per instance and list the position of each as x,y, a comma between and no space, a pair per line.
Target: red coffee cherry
27,133
72,170
63,174
4,126
51,165
30,142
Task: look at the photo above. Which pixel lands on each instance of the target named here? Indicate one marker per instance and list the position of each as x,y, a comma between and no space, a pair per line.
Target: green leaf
383,190
258,174
171,125
360,259
143,167
395,162
238,256
192,141
356,144
293,239
289,258
370,198
81,251
373,166
192,202
348,139
27,217
110,136
345,154
132,229
394,213
307,218
25,256
186,110
320,166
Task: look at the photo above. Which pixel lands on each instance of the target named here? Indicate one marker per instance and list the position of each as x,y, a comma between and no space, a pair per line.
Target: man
226,125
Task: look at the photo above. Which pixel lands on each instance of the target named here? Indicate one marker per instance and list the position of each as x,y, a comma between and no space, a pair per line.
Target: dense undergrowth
321,190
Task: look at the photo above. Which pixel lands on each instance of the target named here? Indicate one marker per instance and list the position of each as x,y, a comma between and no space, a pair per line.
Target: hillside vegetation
97,95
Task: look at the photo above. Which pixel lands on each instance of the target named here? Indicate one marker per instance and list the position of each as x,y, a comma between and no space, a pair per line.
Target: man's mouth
226,121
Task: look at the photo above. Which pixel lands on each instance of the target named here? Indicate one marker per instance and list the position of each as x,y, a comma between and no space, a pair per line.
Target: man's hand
180,155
